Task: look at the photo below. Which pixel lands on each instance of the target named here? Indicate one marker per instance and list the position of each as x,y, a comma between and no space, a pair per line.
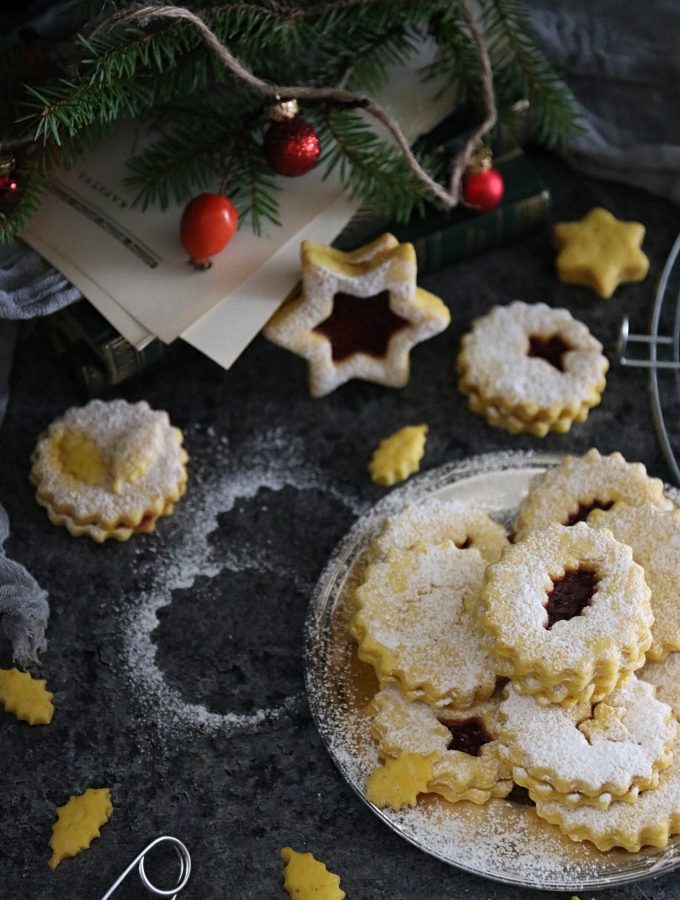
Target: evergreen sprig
209,124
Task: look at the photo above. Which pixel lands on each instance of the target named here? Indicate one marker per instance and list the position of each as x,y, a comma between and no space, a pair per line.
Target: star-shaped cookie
600,251
358,314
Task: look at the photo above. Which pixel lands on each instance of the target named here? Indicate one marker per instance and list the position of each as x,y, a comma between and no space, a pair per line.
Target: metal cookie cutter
182,877
668,297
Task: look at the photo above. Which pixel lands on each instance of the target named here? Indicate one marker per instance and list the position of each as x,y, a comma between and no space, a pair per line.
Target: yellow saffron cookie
664,674
78,823
433,521
588,752
649,822
416,623
528,367
653,534
358,314
469,765
600,252
109,469
579,484
26,697
307,878
398,455
569,612
400,780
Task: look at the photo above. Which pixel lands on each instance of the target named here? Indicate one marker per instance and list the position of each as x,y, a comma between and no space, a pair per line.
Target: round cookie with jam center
468,766
569,613
545,371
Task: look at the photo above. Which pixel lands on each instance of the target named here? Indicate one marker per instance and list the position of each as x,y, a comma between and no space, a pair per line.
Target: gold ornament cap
480,161
283,110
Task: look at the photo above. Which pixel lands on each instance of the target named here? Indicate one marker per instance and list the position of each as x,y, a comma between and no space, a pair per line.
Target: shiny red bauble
291,146
208,223
483,190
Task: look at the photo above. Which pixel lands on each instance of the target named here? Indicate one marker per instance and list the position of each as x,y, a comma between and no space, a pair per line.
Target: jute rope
449,198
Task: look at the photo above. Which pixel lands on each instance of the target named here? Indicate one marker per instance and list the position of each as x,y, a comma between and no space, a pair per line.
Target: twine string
449,198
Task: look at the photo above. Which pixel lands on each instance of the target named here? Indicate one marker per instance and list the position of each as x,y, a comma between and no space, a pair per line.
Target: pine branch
15,213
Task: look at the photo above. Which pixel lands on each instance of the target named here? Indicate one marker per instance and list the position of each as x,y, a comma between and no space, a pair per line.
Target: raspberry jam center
581,513
360,325
570,595
550,349
467,735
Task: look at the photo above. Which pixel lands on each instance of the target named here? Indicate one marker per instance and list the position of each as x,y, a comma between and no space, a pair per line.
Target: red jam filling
467,735
581,513
550,349
570,595
360,325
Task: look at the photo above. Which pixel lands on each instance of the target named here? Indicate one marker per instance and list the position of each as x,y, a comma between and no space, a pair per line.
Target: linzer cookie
109,469
358,314
587,754
664,674
600,251
570,491
415,622
569,612
435,521
649,822
653,534
468,766
530,368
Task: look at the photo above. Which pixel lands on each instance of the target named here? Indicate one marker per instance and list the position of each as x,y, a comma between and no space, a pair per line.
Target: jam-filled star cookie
588,754
468,765
600,252
569,611
109,469
579,484
358,314
416,623
530,368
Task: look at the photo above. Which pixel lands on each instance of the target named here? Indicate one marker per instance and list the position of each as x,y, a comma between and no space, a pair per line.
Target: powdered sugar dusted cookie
415,622
434,521
468,767
570,491
534,368
653,534
569,612
665,676
650,821
358,314
109,469
616,747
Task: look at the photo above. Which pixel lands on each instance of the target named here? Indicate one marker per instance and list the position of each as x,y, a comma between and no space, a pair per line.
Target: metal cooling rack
662,358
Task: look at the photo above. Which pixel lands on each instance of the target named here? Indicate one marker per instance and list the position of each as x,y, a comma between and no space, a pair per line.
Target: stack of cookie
529,368
566,617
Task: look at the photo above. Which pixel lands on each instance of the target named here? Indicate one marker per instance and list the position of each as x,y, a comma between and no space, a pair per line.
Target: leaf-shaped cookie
78,823
26,697
400,780
307,878
398,455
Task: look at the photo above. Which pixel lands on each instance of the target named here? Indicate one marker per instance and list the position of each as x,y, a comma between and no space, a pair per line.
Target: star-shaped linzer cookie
600,251
358,314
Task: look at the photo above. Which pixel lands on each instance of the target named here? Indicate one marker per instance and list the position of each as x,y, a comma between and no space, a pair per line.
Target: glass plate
502,840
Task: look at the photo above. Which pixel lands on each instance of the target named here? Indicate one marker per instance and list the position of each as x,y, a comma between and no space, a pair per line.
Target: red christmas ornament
482,185
8,181
209,222
291,145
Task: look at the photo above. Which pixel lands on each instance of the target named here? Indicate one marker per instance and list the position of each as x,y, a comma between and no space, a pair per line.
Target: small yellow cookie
416,623
398,783
469,766
78,823
109,469
398,455
358,314
600,252
26,697
307,878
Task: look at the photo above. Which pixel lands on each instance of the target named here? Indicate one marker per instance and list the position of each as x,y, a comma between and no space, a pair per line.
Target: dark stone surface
230,640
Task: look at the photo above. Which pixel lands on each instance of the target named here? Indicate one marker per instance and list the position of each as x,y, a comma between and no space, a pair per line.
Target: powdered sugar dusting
274,463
